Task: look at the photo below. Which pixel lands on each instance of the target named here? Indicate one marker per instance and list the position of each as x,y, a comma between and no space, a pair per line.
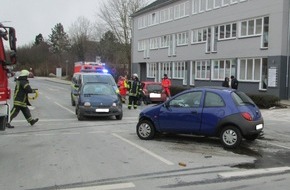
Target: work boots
32,122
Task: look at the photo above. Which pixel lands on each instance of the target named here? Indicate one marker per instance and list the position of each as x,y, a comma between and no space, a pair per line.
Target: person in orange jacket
166,84
122,84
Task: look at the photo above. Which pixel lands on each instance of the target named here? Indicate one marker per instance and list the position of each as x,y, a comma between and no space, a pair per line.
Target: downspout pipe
288,53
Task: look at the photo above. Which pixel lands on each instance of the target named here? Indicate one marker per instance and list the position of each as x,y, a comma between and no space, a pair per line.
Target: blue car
209,111
96,99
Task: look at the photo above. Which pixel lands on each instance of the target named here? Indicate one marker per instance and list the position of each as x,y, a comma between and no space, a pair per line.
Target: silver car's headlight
114,104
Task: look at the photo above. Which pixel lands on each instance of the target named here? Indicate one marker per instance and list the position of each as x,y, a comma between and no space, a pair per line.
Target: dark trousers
25,110
133,102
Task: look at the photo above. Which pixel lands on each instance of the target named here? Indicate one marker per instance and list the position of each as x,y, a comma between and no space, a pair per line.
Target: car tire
251,137
230,137
145,130
119,117
80,115
72,100
3,123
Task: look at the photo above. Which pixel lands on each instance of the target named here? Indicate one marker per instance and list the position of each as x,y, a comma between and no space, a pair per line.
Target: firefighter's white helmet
24,73
135,75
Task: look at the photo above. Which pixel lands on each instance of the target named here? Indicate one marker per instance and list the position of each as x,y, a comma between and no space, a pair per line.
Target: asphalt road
60,152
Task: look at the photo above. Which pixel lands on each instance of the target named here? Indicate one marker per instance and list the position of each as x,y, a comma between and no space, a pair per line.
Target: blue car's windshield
98,89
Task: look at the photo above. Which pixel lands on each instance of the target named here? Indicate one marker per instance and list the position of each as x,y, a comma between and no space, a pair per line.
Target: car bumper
100,112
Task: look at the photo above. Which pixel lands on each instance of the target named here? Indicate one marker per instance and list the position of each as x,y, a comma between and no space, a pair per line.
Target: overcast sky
31,17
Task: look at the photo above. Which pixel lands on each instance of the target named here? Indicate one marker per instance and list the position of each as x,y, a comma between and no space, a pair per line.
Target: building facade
200,42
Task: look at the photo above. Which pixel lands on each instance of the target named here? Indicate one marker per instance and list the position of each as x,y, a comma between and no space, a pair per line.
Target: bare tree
81,35
116,17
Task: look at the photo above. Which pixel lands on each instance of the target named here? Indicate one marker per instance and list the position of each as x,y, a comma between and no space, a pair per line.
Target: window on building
265,34
202,69
181,10
250,69
251,27
227,31
209,4
195,6
217,3
165,68
179,70
209,40
166,15
216,34
164,41
151,70
154,43
141,45
199,35
223,68
264,79
142,22
182,39
202,6
153,18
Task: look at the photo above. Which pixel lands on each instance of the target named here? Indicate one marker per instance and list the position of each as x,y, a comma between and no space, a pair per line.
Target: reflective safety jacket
22,88
134,87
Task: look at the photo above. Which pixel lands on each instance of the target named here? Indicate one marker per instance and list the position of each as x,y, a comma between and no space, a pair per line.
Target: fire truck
6,34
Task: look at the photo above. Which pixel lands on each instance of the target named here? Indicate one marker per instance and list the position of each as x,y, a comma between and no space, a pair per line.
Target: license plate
260,126
154,95
102,110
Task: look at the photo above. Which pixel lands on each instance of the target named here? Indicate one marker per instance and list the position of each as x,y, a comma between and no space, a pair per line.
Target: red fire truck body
6,34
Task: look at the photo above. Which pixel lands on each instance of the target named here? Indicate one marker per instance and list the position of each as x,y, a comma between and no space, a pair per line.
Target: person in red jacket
122,84
166,84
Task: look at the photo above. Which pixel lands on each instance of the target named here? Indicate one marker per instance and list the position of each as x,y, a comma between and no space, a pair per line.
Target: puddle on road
264,159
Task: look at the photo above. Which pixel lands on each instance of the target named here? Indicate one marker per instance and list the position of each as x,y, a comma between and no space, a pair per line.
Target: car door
182,114
213,111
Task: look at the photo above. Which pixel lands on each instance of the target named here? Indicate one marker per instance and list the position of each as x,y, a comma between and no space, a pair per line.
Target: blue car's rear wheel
230,137
145,130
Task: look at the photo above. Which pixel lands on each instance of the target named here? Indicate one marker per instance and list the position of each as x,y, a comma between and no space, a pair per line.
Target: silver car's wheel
145,130
231,137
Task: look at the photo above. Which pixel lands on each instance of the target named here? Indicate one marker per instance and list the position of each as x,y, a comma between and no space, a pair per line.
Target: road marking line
93,132
65,108
253,172
144,150
106,187
44,134
45,120
281,146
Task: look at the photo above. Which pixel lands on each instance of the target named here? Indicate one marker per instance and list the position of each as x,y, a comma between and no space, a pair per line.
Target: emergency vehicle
90,72
6,34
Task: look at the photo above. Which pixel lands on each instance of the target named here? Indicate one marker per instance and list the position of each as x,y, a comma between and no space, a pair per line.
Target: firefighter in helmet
20,99
134,88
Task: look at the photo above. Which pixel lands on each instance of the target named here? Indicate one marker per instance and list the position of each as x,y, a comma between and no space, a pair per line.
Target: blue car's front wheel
145,130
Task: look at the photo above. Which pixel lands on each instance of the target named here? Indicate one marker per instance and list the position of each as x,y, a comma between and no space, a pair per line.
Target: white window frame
179,69
154,43
202,70
233,34
195,6
166,15
182,39
247,27
181,10
234,1
192,73
198,35
153,18
141,45
151,70
165,68
250,69
221,68
142,22
209,5
164,41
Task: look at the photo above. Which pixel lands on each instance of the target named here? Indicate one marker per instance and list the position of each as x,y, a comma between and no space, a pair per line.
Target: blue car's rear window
241,98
